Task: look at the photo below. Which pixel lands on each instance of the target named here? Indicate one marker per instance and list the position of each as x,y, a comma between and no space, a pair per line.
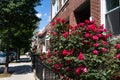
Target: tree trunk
18,54
6,69
6,65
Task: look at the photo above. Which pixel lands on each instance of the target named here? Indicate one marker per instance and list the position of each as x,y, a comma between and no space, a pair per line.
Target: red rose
77,70
63,21
81,56
81,24
104,42
99,35
104,50
95,38
80,69
117,46
91,27
95,52
67,52
65,35
53,23
110,35
87,35
87,21
106,36
83,69
96,45
58,20
64,53
118,56
49,60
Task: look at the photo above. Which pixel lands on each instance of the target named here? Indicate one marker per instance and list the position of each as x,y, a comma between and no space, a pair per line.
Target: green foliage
82,52
18,20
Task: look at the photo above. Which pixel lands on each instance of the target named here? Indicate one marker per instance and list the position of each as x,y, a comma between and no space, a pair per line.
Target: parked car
2,57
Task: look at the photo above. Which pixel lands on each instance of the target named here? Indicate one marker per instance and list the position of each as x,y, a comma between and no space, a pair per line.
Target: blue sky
43,13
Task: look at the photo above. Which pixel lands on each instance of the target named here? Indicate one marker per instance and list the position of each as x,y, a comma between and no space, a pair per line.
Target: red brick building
105,12
75,11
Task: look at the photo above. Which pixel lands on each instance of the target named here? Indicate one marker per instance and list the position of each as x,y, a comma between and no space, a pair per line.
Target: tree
18,20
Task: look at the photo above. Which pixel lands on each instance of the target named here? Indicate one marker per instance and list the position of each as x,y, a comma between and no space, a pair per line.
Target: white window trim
58,5
112,10
47,38
107,12
103,11
64,2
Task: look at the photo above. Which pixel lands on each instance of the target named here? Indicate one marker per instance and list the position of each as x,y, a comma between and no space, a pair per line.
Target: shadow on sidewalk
22,69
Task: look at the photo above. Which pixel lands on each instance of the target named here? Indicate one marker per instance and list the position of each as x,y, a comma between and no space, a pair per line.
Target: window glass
112,4
58,5
63,2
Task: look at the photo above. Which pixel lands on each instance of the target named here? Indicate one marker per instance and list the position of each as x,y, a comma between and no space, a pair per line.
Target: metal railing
43,72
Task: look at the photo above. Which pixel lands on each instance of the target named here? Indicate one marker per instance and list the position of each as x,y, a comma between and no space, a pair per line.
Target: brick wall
67,11
95,10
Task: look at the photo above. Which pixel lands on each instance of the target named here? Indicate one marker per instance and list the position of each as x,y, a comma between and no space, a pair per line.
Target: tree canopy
18,21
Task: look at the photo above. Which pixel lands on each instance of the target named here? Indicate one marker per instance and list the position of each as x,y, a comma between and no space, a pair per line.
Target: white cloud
45,14
39,15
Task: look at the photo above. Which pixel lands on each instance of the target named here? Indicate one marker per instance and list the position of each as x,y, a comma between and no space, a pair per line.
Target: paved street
20,71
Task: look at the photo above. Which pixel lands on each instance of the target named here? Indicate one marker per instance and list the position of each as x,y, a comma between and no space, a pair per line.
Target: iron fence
43,72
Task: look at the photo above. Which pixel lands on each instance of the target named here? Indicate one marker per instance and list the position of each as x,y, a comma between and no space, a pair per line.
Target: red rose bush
82,52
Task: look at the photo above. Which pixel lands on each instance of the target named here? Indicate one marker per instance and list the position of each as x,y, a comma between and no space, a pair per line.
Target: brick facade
67,11
75,11
95,10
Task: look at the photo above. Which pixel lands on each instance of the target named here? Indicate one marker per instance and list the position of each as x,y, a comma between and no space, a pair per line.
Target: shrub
82,52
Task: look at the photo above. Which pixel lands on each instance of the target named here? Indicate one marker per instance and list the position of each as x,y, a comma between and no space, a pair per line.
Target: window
47,45
47,42
53,2
111,4
58,5
63,2
113,16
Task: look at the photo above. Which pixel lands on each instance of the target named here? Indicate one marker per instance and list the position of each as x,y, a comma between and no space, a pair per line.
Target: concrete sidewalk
20,71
